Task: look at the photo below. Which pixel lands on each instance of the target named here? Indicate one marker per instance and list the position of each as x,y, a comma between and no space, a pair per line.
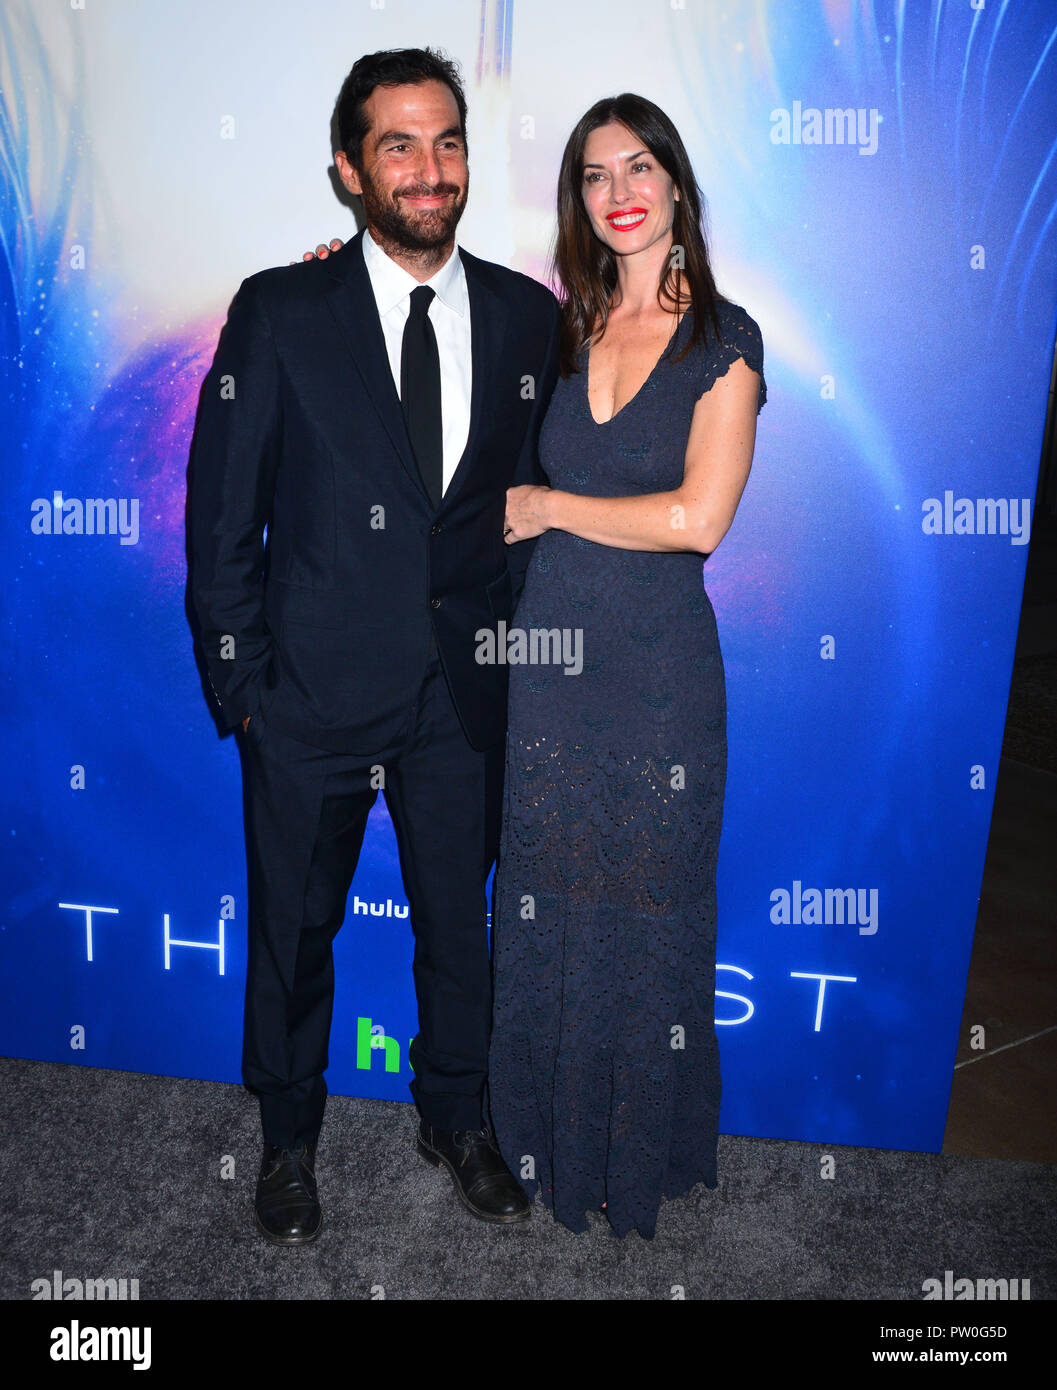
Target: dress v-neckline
601,424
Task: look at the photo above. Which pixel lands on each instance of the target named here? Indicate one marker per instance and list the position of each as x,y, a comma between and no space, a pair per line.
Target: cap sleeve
741,338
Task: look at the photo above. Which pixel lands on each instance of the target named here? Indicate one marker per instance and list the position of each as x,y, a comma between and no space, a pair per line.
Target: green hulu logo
371,1038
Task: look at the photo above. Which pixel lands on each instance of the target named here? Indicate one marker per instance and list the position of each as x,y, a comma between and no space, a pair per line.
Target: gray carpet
118,1176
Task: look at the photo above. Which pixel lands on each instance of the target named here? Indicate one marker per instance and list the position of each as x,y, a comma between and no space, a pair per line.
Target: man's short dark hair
391,67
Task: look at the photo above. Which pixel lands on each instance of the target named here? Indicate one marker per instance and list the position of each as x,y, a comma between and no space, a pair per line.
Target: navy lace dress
604,1075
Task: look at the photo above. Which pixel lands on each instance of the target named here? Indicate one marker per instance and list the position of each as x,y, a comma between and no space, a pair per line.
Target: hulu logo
368,1041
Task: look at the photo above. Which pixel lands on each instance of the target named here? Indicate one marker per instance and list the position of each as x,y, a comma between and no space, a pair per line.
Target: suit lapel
353,306
352,303
488,316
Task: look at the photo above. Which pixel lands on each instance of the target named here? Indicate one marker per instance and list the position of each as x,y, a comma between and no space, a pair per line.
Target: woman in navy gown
604,1076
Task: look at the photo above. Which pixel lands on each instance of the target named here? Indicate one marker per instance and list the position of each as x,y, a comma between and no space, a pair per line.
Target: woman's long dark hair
586,268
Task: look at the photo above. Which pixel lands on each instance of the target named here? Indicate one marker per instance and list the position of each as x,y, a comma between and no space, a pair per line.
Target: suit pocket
500,596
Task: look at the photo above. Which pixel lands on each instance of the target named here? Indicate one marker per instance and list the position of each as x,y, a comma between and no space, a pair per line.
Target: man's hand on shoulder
322,252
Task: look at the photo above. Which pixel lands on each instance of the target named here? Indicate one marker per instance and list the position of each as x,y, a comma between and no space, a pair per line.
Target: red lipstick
635,216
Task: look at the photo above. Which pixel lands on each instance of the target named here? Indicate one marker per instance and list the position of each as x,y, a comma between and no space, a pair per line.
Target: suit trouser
307,810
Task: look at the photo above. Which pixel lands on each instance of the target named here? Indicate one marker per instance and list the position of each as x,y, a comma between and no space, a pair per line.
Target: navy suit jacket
319,566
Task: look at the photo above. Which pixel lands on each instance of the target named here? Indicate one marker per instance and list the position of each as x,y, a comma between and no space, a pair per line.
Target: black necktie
420,393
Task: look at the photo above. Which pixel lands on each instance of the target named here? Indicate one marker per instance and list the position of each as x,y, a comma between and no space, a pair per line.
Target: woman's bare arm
694,516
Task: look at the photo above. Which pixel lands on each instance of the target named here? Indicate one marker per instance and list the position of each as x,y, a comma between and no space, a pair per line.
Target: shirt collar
392,283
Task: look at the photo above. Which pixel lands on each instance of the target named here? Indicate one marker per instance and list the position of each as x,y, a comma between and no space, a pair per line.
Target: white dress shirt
449,313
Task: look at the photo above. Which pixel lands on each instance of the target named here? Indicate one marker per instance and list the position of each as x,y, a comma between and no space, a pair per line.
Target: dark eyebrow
630,156
388,135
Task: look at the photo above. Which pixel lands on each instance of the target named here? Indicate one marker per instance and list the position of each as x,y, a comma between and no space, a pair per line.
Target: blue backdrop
883,188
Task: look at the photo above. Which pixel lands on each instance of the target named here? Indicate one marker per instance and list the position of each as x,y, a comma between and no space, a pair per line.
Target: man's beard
412,231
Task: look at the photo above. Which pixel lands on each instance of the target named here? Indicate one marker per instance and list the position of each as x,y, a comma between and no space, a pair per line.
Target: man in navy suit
357,432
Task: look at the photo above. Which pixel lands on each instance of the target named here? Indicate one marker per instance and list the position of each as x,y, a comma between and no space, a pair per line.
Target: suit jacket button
434,603
436,529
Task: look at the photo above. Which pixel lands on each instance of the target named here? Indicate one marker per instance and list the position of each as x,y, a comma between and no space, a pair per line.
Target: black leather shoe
286,1206
484,1183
